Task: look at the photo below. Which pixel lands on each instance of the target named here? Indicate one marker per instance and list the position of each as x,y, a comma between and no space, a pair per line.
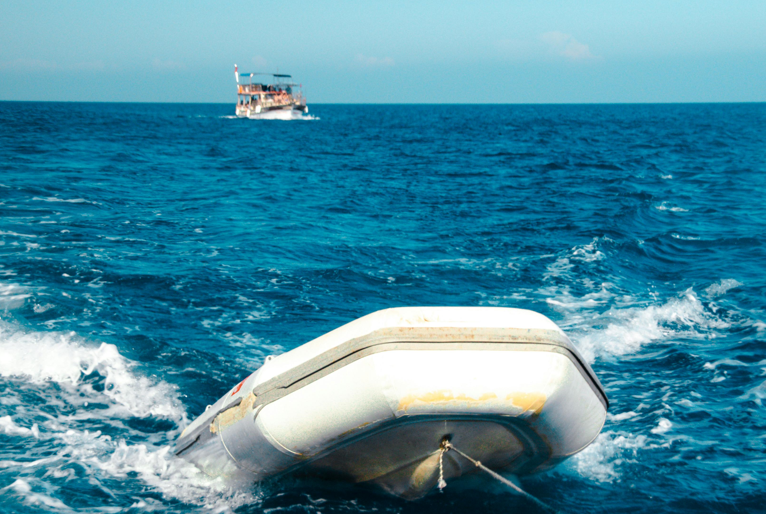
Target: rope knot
442,483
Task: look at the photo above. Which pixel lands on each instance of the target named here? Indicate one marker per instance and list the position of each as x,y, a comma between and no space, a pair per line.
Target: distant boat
277,98
377,400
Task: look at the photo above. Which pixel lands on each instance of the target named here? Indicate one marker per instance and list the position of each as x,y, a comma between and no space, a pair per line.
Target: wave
104,460
621,331
23,489
606,323
615,325
605,458
12,296
9,233
665,206
97,412
722,287
278,115
7,426
58,357
685,238
64,200
563,266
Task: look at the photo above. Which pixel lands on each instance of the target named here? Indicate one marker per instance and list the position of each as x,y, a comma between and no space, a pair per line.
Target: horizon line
402,103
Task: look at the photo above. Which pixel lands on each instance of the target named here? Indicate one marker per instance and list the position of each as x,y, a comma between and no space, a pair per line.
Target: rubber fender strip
228,406
187,446
275,394
405,335
194,436
322,365
411,334
410,338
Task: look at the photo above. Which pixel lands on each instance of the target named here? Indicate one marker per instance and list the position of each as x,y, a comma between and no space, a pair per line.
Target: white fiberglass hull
278,113
372,401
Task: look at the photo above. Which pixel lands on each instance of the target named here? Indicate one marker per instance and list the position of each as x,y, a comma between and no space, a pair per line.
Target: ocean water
151,256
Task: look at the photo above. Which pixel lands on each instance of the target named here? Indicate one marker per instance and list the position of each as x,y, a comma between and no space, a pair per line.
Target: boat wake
643,336
80,416
278,115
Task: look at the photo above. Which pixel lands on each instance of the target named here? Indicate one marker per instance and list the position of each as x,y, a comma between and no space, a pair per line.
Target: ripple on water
151,256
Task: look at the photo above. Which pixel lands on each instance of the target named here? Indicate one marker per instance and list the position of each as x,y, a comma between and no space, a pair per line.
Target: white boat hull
371,402
287,112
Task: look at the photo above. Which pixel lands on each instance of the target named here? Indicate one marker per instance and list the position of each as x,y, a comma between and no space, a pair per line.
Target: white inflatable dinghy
372,401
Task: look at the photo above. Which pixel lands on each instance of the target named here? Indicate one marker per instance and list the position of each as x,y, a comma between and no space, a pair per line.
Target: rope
446,446
442,482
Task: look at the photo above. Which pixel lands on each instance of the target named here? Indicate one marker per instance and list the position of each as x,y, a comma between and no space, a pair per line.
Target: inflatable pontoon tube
372,400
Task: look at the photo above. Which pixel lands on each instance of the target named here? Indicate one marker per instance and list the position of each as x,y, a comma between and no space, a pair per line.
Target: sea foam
63,358
89,375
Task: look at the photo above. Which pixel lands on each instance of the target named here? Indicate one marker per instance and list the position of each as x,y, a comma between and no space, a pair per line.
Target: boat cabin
278,93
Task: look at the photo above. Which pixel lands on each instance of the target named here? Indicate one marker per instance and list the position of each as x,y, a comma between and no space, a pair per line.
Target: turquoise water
152,255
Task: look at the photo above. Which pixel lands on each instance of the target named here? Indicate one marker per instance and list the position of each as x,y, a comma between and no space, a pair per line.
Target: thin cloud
565,45
90,66
29,65
374,62
37,65
161,65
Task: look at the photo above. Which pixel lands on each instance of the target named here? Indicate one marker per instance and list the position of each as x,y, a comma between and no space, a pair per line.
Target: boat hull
372,401
285,112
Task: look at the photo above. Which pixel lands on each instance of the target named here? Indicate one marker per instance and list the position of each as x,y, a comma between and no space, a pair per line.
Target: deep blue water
151,256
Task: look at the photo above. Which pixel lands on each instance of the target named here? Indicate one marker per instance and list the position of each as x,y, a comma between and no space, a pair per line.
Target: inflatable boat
374,401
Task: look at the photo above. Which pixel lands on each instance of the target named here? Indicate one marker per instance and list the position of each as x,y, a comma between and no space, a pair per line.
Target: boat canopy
279,79
272,74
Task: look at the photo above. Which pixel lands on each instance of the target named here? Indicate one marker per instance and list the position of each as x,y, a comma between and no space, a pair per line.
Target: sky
520,51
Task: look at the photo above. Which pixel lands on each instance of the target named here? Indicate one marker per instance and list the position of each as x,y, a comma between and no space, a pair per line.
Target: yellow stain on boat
528,401
443,396
232,415
524,401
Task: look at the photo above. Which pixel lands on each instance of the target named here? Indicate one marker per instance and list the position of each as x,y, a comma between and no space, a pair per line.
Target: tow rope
447,446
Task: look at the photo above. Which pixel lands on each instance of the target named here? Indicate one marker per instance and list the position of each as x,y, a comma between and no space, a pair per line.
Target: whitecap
174,478
10,233
721,287
662,426
727,362
63,358
561,267
12,296
602,460
22,488
665,206
742,477
278,116
588,253
42,308
64,200
684,238
627,330
756,394
622,416
9,427
564,301
34,360
102,456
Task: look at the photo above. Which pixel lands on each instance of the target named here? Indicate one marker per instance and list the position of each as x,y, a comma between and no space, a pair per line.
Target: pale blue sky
392,51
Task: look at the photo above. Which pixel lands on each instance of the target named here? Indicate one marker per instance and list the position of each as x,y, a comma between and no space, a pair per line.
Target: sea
153,255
